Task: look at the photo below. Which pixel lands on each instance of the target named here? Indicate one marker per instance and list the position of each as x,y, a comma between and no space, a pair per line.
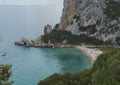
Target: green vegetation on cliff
113,9
57,36
105,71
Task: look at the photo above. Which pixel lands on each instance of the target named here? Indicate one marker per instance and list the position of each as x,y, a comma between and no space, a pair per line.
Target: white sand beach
92,53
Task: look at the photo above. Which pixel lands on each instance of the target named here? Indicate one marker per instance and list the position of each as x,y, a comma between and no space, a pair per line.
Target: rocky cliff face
99,18
47,29
69,10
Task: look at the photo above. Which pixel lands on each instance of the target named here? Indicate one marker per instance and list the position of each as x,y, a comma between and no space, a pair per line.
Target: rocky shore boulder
19,43
24,42
33,43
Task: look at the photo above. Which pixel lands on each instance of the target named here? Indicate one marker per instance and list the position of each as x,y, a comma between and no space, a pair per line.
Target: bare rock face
84,16
47,29
87,12
69,10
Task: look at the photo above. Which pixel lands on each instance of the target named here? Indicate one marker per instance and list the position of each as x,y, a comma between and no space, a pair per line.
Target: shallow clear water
29,65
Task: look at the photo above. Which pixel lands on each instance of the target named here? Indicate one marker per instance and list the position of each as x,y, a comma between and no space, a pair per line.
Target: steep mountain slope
98,18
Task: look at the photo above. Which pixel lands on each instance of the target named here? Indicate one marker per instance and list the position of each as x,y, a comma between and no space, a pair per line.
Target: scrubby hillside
105,71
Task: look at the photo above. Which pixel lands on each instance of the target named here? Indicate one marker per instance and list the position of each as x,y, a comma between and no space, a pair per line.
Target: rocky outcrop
38,43
34,43
92,17
47,29
23,41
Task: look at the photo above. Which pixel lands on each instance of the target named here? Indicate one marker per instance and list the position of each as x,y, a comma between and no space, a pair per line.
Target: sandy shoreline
92,53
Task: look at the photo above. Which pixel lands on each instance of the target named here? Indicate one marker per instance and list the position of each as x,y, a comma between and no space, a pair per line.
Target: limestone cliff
99,18
69,10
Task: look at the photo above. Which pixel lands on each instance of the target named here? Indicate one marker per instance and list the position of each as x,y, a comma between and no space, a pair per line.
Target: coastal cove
30,65
60,42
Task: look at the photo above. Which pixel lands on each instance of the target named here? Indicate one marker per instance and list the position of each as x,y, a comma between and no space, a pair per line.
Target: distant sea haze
26,19
29,65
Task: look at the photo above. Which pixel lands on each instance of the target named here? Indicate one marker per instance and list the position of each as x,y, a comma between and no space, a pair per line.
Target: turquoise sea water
29,65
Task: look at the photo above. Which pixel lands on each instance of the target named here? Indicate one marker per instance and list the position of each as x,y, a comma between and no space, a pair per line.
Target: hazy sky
33,2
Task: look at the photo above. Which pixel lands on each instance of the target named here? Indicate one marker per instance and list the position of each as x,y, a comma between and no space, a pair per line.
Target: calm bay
29,65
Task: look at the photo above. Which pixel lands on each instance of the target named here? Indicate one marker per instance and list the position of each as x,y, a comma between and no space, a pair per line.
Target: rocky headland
97,21
38,42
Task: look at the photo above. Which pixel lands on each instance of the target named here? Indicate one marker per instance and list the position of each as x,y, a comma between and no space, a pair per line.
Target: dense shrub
113,9
57,36
5,74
